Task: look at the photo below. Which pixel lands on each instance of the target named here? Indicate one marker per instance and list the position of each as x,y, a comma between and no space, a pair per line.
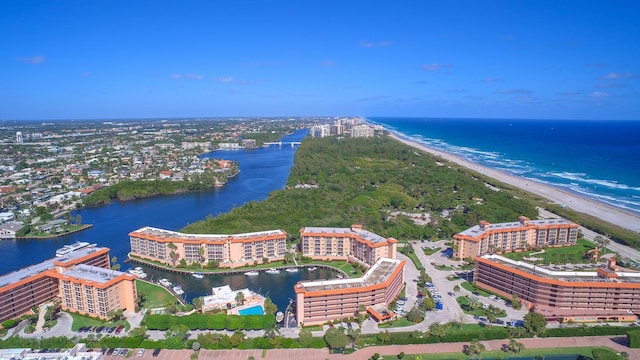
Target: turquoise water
254,310
596,159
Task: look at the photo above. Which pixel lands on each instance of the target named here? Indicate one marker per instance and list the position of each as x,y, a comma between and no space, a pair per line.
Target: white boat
165,282
252,273
313,268
279,316
273,271
340,276
68,249
178,290
197,275
138,272
291,270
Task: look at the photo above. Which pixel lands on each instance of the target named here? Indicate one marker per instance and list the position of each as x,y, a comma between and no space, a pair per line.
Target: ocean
595,159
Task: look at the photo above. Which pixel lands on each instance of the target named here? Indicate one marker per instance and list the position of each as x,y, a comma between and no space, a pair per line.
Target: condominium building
96,291
346,243
170,247
86,270
567,293
325,300
487,238
362,131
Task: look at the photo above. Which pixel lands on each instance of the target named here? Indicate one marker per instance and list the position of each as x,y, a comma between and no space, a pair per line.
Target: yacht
197,275
273,271
313,268
291,270
68,249
138,272
252,273
178,290
165,282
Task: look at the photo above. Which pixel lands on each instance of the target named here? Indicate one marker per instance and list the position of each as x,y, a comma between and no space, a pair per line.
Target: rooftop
378,273
168,234
479,230
93,273
33,270
569,272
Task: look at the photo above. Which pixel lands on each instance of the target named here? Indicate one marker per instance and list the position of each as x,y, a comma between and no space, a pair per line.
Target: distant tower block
19,138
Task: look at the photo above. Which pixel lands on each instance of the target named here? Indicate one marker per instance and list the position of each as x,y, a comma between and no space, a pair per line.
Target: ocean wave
635,205
606,183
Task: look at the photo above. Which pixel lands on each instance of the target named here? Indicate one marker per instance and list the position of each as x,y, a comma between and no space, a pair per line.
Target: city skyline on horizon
502,59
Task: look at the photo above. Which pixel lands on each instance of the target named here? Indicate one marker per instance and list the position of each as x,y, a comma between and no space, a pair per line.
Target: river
262,171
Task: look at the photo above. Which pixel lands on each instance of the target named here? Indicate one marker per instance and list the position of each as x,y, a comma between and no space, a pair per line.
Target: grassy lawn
401,322
584,351
471,287
313,327
155,295
430,251
561,255
81,320
464,301
443,267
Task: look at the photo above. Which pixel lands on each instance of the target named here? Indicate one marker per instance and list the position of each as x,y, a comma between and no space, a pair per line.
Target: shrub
9,323
634,338
604,354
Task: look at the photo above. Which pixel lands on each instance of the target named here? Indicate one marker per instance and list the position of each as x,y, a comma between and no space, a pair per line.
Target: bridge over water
282,143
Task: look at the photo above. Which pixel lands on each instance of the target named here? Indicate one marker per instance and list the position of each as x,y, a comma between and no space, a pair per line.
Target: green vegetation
499,354
400,322
473,288
634,339
155,296
408,250
211,322
360,181
9,324
130,190
560,255
430,251
615,233
474,307
83,320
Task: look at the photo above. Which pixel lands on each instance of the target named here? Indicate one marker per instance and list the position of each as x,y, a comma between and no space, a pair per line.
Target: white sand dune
611,214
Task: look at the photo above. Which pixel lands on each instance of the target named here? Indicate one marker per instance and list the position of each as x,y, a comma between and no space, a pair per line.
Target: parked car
123,352
156,352
116,352
110,351
140,352
119,329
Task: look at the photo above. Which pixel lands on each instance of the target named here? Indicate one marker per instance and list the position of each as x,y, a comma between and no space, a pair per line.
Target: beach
577,203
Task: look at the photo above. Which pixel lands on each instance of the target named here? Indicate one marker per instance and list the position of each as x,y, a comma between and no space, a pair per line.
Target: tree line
361,181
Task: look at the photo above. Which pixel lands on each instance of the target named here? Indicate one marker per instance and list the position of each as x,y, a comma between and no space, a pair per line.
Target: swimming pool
254,310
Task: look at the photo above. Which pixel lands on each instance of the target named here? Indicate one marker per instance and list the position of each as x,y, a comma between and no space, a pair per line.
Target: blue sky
486,59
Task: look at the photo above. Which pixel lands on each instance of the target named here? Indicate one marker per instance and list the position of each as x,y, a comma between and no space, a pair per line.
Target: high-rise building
19,138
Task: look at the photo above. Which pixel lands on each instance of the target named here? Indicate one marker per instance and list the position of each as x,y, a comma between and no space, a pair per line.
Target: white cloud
188,76
33,60
598,94
611,76
194,76
225,79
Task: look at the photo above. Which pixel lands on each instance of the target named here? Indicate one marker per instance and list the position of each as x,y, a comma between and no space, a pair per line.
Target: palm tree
239,298
173,255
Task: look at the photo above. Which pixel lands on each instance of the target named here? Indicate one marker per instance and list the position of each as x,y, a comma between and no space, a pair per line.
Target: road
623,250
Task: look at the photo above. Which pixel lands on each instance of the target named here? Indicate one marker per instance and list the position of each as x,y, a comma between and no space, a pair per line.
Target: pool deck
236,310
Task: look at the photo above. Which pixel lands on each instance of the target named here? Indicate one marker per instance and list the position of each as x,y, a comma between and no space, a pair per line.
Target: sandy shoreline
577,203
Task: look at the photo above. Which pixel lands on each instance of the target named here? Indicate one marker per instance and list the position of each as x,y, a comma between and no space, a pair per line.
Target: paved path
616,343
